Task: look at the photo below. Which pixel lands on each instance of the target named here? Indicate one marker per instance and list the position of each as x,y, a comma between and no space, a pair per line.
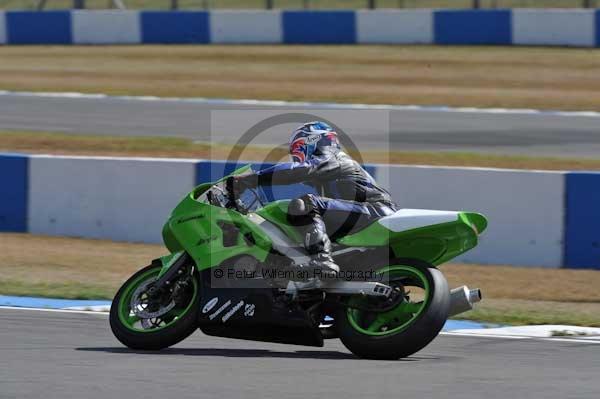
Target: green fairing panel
475,219
194,227
276,213
435,244
168,260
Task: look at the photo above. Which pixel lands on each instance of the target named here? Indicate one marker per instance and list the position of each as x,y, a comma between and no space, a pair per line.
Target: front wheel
142,321
374,329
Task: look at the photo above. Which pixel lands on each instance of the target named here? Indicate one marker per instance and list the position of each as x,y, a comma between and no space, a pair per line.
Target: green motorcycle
235,270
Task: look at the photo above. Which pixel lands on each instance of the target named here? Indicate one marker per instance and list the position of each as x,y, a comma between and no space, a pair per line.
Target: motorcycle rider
349,196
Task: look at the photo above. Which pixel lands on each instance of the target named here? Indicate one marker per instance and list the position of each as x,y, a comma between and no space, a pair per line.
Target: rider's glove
233,187
236,185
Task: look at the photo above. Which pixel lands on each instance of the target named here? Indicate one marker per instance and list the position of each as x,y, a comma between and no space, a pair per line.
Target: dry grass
524,312
530,295
78,268
527,283
63,144
69,267
548,78
66,144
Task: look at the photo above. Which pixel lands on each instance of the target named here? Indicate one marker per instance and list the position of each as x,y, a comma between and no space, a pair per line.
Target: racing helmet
312,139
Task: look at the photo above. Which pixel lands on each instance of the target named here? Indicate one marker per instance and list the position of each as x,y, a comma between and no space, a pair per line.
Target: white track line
283,104
484,335
54,310
581,340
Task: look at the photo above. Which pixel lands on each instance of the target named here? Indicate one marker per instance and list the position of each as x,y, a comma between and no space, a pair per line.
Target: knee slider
299,212
297,207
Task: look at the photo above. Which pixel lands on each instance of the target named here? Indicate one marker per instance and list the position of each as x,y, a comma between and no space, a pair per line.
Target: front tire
405,329
151,333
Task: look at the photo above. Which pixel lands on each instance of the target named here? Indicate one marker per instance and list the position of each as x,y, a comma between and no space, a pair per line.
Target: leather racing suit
349,199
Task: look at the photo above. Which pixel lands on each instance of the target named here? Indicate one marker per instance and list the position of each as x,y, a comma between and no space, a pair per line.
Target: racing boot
302,214
318,245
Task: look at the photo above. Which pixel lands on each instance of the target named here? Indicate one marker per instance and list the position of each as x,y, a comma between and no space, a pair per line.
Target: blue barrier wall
597,25
582,229
317,27
473,27
175,27
449,27
31,27
14,181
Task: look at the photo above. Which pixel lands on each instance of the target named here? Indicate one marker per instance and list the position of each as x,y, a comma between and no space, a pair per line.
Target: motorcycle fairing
254,313
212,234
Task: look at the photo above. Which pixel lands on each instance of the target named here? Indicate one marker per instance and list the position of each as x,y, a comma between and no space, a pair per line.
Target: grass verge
94,269
66,144
479,76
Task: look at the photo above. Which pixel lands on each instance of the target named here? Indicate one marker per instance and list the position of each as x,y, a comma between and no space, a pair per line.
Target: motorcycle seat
409,219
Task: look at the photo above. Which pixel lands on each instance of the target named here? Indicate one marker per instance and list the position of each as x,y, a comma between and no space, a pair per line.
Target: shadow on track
330,355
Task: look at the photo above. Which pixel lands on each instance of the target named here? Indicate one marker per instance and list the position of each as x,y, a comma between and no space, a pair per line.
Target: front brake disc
140,303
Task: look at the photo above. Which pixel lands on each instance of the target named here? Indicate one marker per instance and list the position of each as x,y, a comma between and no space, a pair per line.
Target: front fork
173,266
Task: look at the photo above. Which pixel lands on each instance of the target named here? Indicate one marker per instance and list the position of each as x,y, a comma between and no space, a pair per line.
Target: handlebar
240,206
222,194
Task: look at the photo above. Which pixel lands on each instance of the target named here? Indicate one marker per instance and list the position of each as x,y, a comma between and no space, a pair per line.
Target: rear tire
408,340
174,332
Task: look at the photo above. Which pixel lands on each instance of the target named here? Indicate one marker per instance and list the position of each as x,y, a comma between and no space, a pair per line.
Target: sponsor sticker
232,311
249,310
210,305
220,310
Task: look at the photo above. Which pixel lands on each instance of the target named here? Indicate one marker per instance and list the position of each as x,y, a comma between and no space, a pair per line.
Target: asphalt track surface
537,134
73,355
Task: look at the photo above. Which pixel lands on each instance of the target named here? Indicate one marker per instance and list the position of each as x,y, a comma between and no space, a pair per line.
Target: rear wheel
375,329
142,321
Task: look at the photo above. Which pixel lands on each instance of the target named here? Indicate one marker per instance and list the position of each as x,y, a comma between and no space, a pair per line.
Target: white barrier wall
394,26
546,27
245,26
122,199
525,209
106,27
554,27
2,27
129,199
